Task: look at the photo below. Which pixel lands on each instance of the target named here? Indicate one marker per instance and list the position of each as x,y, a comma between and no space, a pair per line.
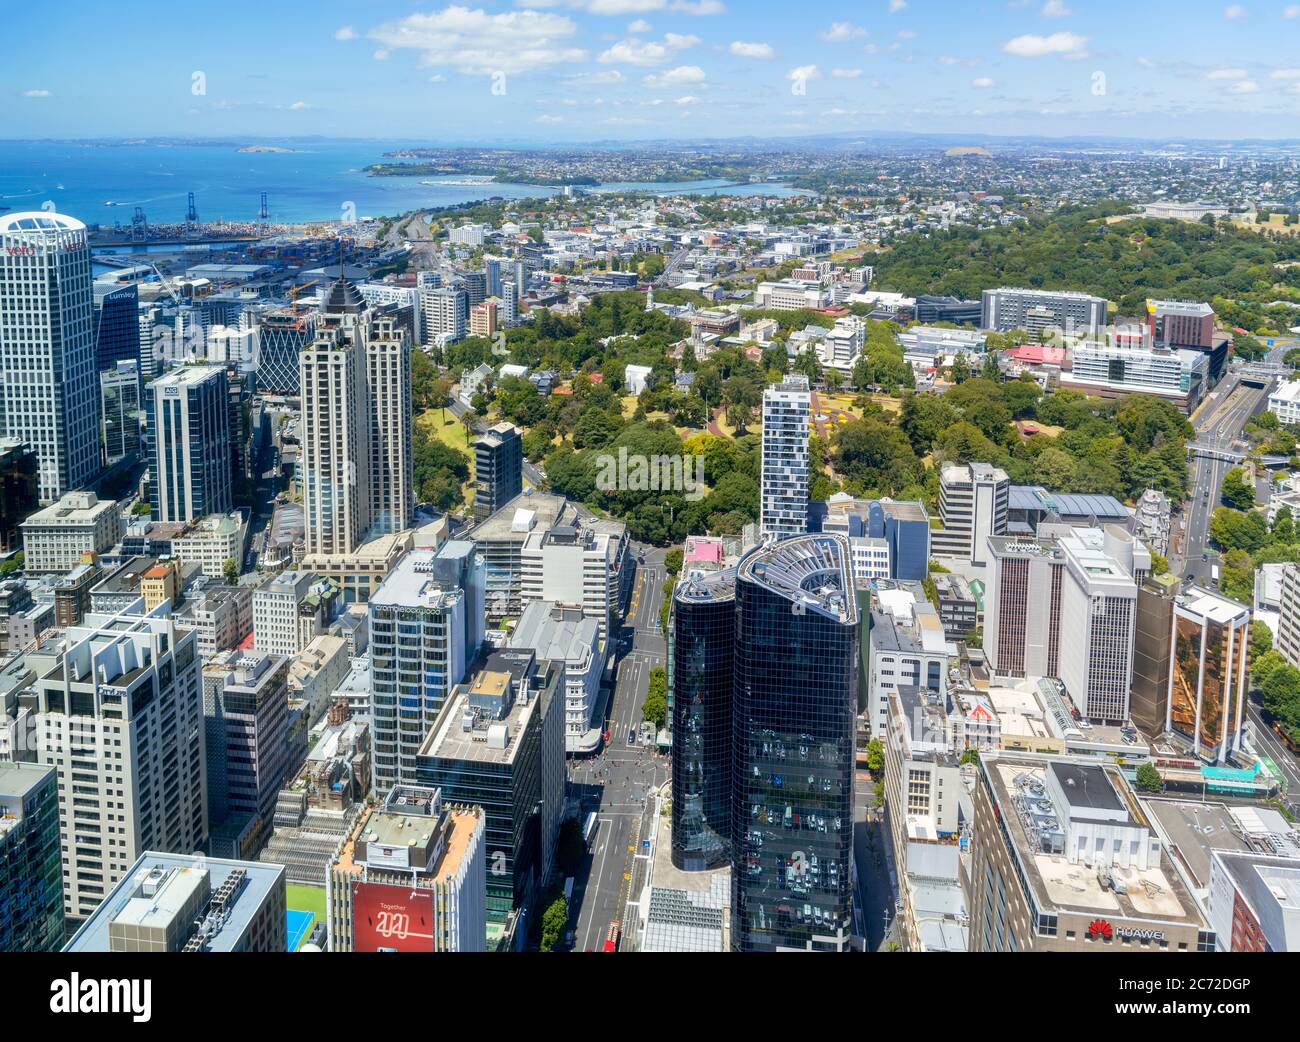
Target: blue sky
484,71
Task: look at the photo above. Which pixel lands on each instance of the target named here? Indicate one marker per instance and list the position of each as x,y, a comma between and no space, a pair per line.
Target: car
631,737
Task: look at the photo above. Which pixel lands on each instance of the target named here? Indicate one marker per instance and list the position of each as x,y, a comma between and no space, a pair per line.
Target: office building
117,325
276,612
498,469
129,685
1255,901
567,635
1022,606
783,500
793,721
930,308
1032,310
924,791
1098,616
411,876
31,873
973,500
1117,368
119,390
1284,402
49,391
703,656
900,528
1208,674
246,722
499,744
1153,653
188,416
1287,638
56,538
420,648
190,903
281,336
960,606
574,567
1064,858
221,616
19,490
908,648
1181,323
790,295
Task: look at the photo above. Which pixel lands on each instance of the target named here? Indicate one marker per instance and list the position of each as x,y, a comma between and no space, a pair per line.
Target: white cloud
381,55
1227,74
1056,9
37,94
437,77
1292,11
983,82
896,5
1244,87
602,77
639,26
345,33
846,74
906,34
805,72
1031,45
839,32
689,99
678,77
299,106
625,7
699,7
1284,74
478,43
1234,11
633,51
548,119
752,50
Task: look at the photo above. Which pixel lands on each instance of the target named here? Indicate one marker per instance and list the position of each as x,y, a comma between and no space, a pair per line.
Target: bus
589,829
611,938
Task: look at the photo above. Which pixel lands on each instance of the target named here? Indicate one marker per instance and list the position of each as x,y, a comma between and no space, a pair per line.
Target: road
1266,743
1219,425
876,883
616,783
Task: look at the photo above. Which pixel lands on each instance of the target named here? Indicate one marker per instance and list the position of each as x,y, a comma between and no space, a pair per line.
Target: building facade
187,413
783,500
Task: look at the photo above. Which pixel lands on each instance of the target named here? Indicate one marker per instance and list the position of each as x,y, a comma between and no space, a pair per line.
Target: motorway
617,782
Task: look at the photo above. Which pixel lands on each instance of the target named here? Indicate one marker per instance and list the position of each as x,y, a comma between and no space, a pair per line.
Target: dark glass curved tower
794,699
704,638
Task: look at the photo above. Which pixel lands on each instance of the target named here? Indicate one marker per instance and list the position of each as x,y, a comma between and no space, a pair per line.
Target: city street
876,883
617,781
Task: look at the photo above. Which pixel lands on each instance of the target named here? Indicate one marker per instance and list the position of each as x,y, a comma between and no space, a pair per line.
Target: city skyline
569,71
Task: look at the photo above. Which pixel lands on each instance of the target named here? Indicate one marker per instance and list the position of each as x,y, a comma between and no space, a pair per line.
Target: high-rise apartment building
49,388
31,871
446,314
793,722
388,387
783,500
121,722
498,469
418,652
1287,640
973,502
188,416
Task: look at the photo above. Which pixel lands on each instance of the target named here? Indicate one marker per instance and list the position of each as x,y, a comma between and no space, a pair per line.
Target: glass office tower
117,325
1207,688
704,640
794,700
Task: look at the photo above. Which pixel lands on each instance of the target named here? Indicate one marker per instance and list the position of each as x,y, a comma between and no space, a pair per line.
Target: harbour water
312,181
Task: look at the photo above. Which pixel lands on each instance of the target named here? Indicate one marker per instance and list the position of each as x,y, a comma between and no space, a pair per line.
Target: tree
554,920
875,756
655,707
1237,490
1261,639
230,571
1148,778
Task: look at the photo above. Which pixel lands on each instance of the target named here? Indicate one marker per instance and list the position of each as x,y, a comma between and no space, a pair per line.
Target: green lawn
306,899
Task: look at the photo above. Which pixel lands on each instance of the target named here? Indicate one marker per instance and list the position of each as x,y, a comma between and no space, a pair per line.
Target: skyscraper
120,396
973,503
388,388
280,337
783,503
188,416
498,469
117,324
793,714
50,393
704,644
1207,685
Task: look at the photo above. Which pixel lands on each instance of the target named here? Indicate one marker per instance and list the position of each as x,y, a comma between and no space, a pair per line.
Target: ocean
314,182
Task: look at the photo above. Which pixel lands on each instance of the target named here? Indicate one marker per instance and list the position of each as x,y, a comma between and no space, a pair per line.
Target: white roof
38,221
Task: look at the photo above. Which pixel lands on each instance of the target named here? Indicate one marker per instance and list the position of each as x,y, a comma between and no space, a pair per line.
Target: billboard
391,918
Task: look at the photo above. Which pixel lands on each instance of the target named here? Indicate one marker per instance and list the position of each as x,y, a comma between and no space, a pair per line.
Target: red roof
1038,354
